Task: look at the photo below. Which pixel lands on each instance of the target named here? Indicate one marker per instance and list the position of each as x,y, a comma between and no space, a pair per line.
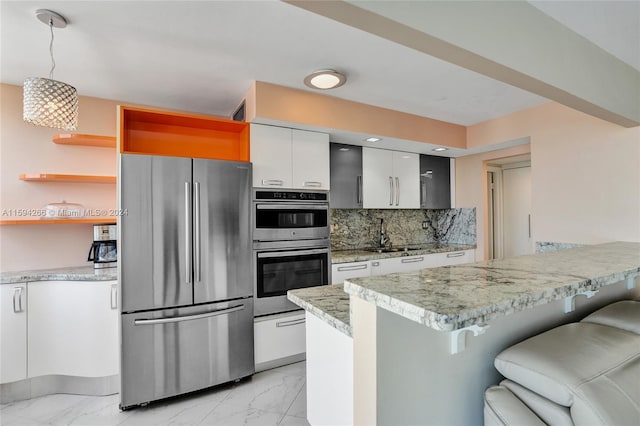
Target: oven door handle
268,254
323,206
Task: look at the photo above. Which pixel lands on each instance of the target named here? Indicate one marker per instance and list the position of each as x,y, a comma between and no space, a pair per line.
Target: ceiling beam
512,42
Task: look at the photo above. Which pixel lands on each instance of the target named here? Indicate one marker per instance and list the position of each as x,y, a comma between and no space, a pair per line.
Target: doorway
509,207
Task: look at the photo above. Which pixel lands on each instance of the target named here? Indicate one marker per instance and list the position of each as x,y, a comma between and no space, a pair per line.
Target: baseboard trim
47,385
280,362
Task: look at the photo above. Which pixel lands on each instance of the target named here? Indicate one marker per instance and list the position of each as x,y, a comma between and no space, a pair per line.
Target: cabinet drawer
452,258
278,337
344,271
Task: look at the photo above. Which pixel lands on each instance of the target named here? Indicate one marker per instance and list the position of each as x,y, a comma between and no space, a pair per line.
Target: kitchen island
413,358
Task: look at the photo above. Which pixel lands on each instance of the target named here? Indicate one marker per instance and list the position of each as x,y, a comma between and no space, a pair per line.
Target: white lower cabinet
13,332
73,328
343,271
451,258
399,264
279,339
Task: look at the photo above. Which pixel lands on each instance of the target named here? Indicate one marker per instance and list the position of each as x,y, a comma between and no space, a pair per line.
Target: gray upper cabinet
346,176
435,182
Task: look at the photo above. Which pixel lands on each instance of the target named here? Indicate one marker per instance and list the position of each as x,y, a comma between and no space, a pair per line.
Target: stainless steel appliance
187,294
104,249
290,215
290,246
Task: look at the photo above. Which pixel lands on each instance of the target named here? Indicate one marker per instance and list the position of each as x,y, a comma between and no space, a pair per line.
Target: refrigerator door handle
189,317
197,251
187,230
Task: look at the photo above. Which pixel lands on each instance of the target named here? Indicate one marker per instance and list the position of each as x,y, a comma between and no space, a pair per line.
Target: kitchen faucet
383,238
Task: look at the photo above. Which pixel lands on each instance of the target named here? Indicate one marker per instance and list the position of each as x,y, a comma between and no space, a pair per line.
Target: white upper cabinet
310,152
271,156
391,179
289,158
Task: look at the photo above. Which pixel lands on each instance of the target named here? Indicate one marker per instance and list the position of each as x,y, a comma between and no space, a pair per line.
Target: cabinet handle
457,254
114,296
312,184
17,300
529,226
375,263
352,268
272,182
390,191
290,322
412,260
359,190
397,191
423,194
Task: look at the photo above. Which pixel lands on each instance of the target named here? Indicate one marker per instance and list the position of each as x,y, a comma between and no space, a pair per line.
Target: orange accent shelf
50,177
145,131
85,140
50,221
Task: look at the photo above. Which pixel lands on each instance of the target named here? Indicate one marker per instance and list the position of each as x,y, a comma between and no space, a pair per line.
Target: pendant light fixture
47,102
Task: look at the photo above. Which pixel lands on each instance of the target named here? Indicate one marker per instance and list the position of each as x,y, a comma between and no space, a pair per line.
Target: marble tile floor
274,397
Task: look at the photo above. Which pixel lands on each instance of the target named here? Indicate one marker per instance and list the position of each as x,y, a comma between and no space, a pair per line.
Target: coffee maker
103,251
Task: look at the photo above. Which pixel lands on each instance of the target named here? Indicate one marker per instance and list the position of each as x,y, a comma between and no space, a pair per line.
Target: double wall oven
290,246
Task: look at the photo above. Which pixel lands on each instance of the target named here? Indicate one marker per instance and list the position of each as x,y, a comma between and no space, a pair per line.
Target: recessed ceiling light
372,139
325,79
440,149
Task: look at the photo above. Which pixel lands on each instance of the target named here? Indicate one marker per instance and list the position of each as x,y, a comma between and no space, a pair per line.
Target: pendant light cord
53,62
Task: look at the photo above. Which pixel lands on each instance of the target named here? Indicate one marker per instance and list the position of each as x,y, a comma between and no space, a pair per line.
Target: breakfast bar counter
455,297
423,343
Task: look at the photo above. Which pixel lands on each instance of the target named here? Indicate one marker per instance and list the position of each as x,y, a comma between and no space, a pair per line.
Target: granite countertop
454,297
75,273
328,302
362,255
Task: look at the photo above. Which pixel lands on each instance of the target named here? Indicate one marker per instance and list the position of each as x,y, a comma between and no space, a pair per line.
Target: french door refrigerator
185,273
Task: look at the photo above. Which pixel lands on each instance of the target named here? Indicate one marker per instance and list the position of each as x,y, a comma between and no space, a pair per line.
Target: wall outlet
425,225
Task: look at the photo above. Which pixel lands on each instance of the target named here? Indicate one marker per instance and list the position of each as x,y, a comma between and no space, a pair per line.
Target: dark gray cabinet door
435,182
346,176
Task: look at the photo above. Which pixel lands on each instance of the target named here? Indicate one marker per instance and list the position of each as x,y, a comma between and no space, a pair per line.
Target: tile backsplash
358,228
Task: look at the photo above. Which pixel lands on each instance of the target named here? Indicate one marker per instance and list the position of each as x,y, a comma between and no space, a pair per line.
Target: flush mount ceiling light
47,102
325,79
373,139
439,149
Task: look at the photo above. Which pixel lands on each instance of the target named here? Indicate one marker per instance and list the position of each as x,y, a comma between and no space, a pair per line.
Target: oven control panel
291,196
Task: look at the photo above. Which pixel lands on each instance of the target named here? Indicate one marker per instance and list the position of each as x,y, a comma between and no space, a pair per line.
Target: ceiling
202,56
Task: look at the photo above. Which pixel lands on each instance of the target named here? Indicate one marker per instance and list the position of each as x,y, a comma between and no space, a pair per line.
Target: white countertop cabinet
13,329
73,328
390,179
289,158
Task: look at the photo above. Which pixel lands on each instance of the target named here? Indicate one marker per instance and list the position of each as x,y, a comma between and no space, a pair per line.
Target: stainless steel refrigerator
185,274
